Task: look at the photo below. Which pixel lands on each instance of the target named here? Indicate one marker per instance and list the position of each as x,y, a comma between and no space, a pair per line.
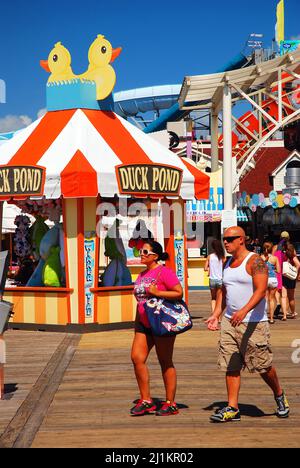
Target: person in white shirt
245,332
214,268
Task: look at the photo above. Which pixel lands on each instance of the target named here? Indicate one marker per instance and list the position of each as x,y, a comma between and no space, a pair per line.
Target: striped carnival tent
81,148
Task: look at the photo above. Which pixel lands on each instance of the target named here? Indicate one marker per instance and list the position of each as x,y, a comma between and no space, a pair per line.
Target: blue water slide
6,136
239,61
160,97
142,100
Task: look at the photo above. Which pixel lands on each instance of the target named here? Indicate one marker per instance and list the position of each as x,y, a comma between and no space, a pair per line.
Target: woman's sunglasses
230,239
146,252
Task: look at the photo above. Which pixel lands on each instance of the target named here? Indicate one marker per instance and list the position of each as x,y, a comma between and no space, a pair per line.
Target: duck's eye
55,58
103,50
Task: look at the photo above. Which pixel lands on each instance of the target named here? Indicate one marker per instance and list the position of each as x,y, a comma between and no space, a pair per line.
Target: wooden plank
87,400
22,429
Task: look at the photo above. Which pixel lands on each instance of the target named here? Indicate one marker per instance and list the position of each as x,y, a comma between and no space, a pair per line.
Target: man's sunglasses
230,239
146,252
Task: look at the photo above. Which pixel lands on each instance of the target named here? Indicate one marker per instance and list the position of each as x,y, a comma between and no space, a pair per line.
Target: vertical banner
89,276
280,23
179,258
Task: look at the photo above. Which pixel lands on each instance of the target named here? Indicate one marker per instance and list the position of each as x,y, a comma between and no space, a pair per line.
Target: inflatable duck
58,64
100,55
50,270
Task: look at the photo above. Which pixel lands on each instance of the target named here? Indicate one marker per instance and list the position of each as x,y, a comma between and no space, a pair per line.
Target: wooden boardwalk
76,391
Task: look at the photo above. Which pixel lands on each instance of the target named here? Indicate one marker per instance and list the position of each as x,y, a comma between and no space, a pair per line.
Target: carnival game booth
62,168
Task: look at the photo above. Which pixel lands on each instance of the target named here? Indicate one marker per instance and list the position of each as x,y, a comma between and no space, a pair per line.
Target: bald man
244,341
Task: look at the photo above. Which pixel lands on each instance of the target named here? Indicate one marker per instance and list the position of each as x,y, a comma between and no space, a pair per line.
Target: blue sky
162,41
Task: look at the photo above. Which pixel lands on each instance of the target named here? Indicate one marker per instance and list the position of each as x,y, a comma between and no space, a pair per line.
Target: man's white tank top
215,267
239,289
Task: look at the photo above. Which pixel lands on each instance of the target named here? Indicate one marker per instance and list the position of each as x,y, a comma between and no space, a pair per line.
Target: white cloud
41,113
11,123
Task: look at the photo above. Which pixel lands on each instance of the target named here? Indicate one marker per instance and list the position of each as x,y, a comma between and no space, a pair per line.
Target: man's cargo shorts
246,346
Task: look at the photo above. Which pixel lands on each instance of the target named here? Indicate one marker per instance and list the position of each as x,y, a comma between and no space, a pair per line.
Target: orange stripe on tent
79,178
42,138
40,308
201,183
127,306
117,137
18,308
103,308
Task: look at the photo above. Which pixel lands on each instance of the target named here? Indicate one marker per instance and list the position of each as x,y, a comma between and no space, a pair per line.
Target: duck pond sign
22,180
147,179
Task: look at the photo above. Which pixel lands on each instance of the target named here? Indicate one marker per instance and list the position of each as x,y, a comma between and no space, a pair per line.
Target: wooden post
2,362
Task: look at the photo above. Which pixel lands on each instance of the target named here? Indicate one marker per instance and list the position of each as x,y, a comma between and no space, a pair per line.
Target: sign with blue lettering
179,259
197,210
89,276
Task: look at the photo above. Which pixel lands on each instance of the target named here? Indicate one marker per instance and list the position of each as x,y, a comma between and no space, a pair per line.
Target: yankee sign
21,180
146,179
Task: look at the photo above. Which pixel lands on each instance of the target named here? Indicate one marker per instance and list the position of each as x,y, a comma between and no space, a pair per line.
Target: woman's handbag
168,318
289,271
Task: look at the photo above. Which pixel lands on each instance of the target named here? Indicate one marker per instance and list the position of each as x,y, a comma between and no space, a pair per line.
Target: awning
206,91
80,150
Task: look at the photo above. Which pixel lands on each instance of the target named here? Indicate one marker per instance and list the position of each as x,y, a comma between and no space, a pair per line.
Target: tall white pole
214,141
227,155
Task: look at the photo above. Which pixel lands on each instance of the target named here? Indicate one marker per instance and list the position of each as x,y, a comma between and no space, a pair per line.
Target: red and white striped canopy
81,148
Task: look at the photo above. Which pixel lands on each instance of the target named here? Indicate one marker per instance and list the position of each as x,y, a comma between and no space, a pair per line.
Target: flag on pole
280,22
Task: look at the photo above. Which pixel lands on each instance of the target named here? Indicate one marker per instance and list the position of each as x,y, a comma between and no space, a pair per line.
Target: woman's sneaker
168,410
226,414
283,407
143,407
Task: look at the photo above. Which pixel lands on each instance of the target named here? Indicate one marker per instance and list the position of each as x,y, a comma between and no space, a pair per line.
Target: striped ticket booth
85,157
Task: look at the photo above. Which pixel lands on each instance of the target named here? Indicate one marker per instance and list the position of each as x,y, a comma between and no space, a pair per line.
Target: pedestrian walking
278,251
214,268
273,265
156,281
289,285
245,334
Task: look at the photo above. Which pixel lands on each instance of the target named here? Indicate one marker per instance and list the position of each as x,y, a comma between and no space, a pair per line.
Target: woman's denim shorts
215,284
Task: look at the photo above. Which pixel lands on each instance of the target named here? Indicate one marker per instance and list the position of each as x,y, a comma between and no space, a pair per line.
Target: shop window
37,245
121,233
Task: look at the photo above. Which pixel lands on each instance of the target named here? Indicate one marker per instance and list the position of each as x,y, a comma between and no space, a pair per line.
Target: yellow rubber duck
100,55
58,64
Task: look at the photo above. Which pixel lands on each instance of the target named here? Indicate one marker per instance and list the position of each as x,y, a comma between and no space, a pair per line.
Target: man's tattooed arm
259,267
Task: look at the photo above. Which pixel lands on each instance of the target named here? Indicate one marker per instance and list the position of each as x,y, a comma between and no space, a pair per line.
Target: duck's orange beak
115,54
45,66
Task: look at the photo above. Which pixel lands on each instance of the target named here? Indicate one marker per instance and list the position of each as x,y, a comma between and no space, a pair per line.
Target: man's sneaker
168,410
226,414
143,407
283,408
